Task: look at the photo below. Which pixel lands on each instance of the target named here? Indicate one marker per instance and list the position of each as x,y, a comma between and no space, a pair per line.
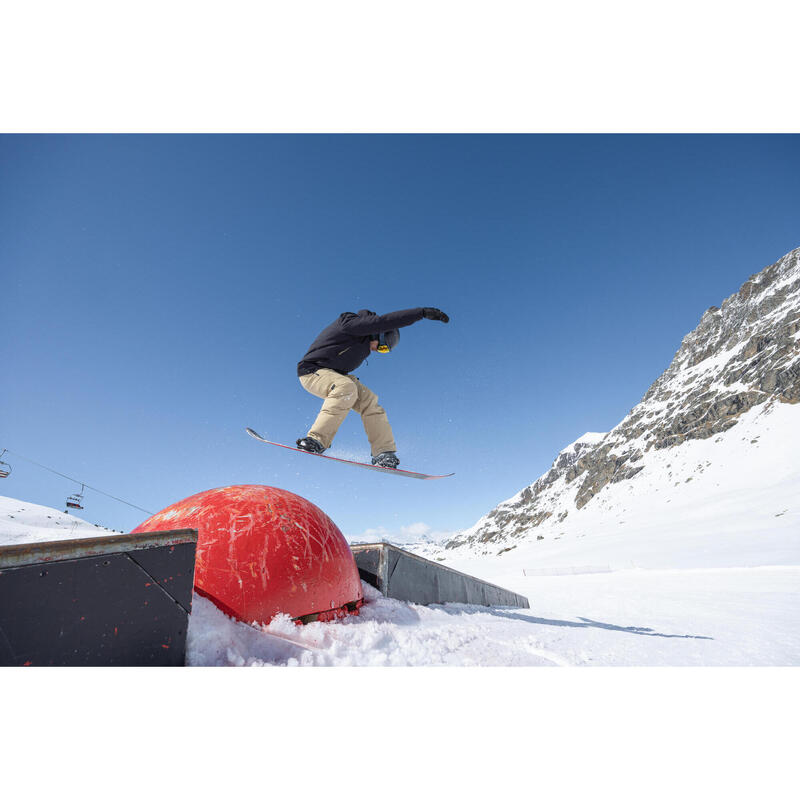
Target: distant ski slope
732,500
21,522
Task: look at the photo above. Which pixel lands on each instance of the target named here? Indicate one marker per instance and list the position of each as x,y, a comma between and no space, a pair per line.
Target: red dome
263,551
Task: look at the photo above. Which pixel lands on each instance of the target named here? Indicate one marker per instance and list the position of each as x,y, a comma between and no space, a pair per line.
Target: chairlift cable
61,475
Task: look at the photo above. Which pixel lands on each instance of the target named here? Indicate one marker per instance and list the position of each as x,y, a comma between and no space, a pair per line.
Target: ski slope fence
552,571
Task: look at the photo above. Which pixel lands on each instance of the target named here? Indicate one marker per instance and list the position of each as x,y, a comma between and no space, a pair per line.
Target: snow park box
404,576
105,601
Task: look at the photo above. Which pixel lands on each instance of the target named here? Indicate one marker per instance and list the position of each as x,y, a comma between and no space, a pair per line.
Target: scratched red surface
263,551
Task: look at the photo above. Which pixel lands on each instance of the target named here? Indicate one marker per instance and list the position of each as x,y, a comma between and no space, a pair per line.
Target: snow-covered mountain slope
22,522
711,448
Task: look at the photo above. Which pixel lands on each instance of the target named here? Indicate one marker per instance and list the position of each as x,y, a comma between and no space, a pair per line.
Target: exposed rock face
745,353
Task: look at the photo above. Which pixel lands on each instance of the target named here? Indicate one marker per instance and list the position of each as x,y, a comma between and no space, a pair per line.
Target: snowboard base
387,470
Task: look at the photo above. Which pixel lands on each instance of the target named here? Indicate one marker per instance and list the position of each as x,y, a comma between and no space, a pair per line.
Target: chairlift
76,500
5,467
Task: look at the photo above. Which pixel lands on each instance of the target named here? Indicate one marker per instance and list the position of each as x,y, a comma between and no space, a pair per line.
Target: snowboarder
325,369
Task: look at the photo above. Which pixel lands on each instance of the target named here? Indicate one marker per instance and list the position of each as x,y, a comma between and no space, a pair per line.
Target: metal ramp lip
19,555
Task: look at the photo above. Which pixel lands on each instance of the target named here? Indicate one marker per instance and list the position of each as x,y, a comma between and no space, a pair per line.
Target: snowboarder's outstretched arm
435,313
367,322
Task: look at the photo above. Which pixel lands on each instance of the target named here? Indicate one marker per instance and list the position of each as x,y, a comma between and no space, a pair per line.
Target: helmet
387,341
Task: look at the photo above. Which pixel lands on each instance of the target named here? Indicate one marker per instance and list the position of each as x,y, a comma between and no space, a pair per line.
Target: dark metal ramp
108,601
404,576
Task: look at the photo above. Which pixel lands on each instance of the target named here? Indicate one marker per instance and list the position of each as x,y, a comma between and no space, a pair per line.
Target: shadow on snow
456,609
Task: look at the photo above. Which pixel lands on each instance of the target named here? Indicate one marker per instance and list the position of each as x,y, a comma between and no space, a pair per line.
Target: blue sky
157,292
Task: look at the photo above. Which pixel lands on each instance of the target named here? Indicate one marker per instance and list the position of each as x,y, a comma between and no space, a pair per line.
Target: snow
588,438
740,487
722,588
694,561
699,617
22,522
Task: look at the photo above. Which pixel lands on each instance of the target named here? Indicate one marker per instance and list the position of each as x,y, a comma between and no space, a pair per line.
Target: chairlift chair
76,500
5,467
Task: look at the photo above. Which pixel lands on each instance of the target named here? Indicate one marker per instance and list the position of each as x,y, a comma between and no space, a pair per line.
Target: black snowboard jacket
344,344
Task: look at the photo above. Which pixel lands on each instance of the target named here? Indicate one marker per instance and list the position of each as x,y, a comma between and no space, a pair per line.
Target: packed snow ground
654,571
742,617
696,561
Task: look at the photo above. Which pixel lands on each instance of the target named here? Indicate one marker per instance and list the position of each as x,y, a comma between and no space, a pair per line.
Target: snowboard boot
388,459
310,445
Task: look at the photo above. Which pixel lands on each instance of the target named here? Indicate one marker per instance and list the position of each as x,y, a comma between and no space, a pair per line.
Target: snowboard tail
388,470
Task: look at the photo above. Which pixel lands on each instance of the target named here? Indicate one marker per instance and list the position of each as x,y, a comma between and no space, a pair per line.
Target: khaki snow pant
341,393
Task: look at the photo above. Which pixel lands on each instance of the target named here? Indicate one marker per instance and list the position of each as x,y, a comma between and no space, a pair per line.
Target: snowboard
387,470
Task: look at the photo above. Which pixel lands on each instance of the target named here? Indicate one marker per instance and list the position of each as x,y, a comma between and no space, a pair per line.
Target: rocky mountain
744,355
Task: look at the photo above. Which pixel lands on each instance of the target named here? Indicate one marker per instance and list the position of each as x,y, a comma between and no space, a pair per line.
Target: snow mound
22,522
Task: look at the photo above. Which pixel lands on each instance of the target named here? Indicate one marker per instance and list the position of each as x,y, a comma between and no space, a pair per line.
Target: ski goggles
388,340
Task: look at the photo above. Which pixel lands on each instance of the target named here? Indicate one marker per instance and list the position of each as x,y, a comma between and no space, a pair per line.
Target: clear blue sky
157,292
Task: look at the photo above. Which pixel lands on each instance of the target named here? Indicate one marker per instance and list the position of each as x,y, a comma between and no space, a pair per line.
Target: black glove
435,313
